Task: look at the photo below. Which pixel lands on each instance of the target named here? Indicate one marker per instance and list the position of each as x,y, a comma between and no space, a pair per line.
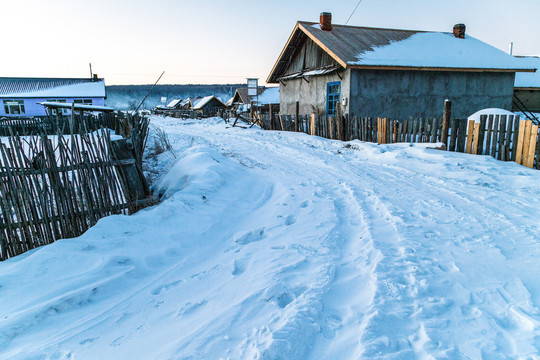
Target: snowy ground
275,245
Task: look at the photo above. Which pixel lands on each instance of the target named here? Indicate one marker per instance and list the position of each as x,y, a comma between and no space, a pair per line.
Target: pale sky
131,42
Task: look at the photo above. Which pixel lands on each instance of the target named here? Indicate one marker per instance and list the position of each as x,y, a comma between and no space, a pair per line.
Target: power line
353,12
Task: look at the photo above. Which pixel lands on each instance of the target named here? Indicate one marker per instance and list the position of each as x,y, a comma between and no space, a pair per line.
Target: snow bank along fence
57,187
505,137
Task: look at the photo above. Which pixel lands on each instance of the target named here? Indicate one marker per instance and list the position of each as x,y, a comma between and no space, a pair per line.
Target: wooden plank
481,134
470,131
312,124
526,141
495,136
296,116
462,135
447,112
453,134
515,135
508,138
476,132
488,134
434,127
501,153
519,146
532,146
537,156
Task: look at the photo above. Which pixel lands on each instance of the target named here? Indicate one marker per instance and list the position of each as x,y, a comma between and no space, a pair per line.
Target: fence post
339,124
271,113
446,122
312,127
135,187
296,114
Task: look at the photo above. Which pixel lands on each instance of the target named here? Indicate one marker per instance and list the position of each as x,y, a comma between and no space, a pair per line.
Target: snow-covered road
285,246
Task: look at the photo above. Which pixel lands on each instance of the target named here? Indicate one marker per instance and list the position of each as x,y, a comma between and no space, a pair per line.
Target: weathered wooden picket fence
58,186
504,137
55,124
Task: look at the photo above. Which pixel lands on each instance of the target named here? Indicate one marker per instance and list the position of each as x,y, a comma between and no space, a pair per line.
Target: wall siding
312,95
402,94
309,57
32,107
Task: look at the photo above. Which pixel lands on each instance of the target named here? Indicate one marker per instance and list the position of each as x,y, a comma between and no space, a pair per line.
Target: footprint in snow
158,290
291,219
304,204
251,236
239,267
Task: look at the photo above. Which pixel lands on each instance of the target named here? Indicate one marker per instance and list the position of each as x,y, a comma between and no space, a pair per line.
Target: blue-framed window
333,95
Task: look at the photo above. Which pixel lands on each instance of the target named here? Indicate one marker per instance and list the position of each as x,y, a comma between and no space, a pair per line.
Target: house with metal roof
241,96
527,87
209,106
22,96
390,72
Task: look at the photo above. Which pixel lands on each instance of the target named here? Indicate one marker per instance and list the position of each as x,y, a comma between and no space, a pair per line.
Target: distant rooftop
51,87
528,80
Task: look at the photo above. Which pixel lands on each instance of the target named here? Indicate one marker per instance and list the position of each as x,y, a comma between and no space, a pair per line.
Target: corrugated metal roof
242,93
347,42
364,47
51,87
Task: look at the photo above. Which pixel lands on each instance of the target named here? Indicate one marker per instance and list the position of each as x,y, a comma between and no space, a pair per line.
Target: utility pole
91,75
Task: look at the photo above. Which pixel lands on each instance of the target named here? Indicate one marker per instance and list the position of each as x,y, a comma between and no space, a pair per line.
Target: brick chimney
459,31
326,21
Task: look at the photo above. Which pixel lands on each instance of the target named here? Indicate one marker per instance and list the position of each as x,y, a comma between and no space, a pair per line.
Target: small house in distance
22,96
242,101
389,72
527,87
209,106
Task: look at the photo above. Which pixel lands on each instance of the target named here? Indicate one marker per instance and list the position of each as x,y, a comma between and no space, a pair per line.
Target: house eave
433,68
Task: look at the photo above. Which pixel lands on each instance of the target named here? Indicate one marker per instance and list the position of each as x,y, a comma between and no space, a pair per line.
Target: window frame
8,103
332,97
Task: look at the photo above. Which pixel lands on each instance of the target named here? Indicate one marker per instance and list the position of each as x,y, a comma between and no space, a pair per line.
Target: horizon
131,43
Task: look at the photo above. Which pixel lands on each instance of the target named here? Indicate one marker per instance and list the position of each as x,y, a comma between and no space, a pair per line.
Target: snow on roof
529,80
269,96
173,103
76,106
230,101
194,101
440,50
51,87
205,100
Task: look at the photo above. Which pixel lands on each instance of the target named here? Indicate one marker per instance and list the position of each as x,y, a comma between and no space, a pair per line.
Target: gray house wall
399,94
312,95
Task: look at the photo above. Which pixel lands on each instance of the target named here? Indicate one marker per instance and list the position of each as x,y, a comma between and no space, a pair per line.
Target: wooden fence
506,138
54,187
55,124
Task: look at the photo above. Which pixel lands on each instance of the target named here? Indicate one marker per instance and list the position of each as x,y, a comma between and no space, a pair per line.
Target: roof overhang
299,27
80,107
426,68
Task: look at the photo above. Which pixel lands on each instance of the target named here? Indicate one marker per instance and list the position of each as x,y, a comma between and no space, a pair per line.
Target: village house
22,96
209,106
390,73
527,87
242,101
